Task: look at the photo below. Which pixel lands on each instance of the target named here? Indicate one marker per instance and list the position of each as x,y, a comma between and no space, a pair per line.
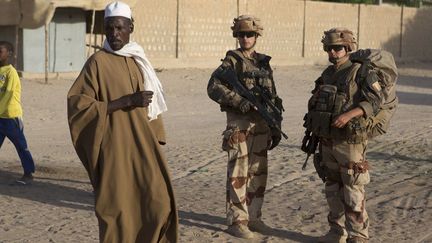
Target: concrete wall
380,27
417,34
283,26
321,16
156,23
196,33
204,28
182,31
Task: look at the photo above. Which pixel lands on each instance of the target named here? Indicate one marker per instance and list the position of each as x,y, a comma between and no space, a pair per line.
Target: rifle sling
241,59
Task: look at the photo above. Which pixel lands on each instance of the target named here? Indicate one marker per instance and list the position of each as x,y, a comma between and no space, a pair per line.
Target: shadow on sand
410,98
414,81
216,223
46,190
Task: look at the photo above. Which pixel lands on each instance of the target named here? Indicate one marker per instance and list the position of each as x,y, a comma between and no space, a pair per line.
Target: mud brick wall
186,30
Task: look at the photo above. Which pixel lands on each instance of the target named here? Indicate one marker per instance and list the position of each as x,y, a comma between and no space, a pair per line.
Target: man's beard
334,60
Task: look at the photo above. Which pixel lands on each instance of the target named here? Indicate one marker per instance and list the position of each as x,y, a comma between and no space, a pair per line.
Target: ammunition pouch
356,130
318,122
321,105
326,104
326,98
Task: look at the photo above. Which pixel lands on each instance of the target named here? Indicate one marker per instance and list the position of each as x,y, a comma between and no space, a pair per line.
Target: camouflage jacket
326,104
250,72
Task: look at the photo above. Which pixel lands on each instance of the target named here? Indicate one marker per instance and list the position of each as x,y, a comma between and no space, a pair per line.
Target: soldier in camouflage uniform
338,110
247,137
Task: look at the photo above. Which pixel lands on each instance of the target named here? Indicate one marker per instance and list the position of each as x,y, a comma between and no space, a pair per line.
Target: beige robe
121,152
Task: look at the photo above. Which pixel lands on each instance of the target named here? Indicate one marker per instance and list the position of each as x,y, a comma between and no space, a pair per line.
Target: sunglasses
336,48
247,34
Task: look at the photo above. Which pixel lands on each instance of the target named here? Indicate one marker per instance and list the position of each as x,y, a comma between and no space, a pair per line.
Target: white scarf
151,81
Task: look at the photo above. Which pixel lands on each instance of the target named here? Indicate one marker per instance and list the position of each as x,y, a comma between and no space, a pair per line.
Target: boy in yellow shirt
11,125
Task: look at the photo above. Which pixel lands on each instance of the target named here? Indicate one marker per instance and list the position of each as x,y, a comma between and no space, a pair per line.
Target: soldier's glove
245,106
276,137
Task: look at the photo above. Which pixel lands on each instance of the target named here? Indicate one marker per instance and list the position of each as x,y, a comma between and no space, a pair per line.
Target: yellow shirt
10,93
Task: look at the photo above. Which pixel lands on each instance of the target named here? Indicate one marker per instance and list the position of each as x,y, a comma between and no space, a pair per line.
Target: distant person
114,110
345,110
241,85
11,123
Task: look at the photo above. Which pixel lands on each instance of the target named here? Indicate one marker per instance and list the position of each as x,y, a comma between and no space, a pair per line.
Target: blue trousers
13,129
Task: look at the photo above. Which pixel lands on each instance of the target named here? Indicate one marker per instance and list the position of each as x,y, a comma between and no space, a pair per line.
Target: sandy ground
58,207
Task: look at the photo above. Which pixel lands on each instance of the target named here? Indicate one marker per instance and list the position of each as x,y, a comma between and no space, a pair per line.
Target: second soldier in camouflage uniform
247,137
338,111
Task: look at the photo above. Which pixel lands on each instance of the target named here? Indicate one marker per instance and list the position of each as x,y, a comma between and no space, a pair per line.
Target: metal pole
16,46
177,30
91,32
401,31
358,25
46,53
304,30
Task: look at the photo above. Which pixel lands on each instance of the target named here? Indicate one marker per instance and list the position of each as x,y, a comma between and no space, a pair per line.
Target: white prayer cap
118,8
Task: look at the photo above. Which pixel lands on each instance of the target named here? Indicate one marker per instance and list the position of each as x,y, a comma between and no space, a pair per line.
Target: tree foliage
408,3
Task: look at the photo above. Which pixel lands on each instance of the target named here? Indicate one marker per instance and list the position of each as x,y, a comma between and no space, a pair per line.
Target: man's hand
245,106
344,118
141,98
341,120
138,99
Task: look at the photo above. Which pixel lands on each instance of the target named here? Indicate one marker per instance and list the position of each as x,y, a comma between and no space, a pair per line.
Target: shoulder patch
376,86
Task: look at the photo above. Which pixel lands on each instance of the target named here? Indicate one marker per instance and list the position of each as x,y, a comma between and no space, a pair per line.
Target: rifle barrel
305,163
229,76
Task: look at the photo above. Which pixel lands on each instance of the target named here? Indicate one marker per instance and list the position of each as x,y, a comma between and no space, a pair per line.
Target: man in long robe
119,142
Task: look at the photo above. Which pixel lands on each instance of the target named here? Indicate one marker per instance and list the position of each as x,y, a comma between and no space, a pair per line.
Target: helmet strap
337,61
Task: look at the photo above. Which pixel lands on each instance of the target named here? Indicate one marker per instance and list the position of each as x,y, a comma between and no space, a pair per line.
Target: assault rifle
230,76
309,145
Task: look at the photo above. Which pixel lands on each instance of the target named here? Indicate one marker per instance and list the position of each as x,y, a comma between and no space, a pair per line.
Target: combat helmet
247,23
339,36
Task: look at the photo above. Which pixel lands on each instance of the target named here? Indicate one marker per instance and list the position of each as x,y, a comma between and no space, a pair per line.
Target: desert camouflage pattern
246,140
348,95
340,36
343,152
228,99
344,188
247,23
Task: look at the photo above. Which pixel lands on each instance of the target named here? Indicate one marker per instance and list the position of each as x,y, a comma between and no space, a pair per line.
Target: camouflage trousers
347,174
246,140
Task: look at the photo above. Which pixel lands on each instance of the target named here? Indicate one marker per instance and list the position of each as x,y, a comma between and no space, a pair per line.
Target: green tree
408,3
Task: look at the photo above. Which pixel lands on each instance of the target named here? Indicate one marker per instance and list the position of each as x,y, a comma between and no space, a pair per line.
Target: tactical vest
255,72
335,94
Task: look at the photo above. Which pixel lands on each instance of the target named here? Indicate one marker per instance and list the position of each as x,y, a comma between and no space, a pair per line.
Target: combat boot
259,226
240,231
333,236
355,239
